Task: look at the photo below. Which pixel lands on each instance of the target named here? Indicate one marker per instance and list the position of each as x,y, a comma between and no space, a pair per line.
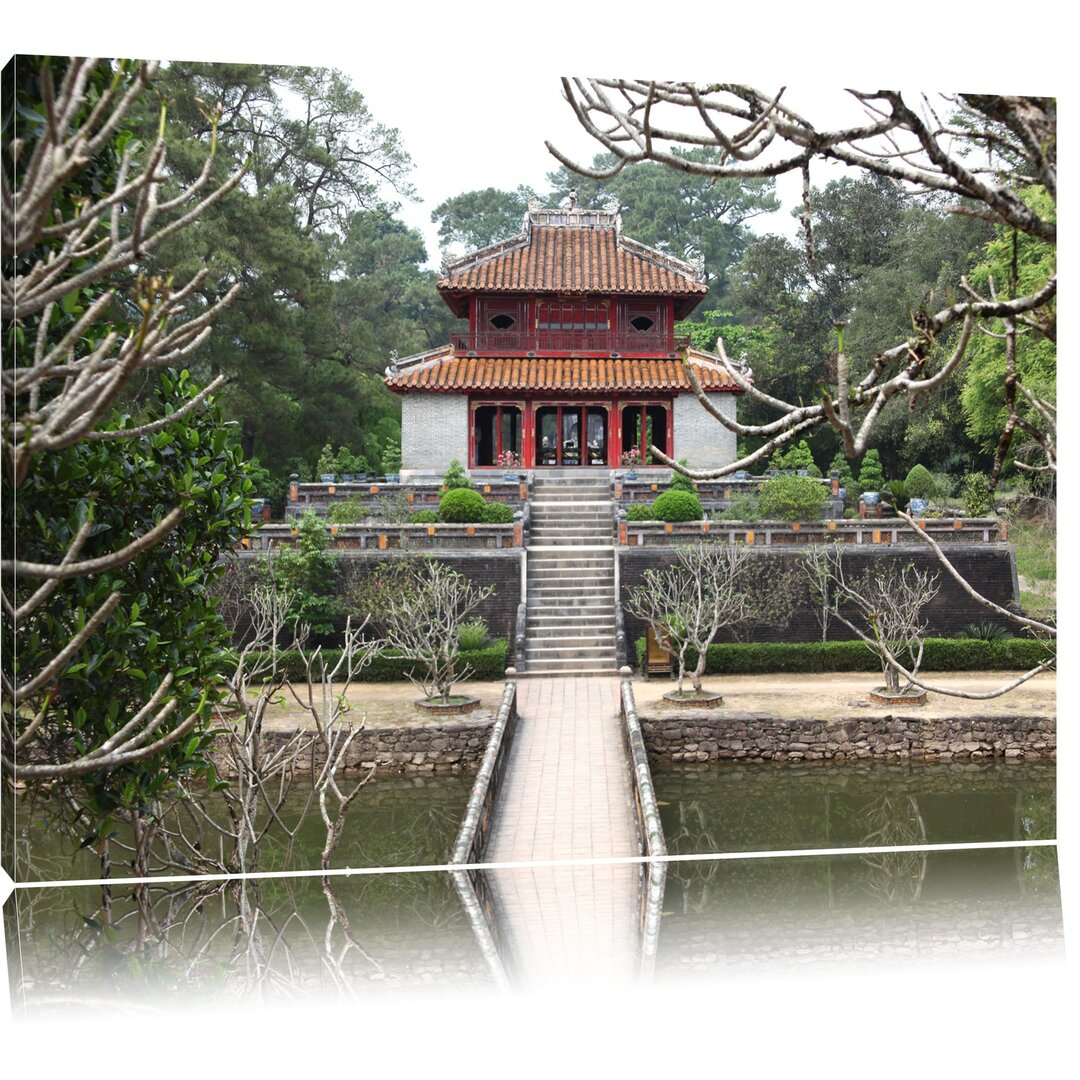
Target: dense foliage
676,505
462,505
791,498
811,657
166,622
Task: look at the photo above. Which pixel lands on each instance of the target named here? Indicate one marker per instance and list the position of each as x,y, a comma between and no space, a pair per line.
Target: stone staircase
570,612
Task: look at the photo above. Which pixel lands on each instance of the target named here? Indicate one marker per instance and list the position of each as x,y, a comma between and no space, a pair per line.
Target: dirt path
792,696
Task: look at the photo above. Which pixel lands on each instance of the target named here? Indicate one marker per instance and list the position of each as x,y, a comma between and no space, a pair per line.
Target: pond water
395,821
295,939
789,807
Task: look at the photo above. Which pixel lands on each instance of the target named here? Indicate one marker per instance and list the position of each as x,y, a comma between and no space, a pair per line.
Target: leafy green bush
680,482
842,467
488,663
675,505
391,456
425,517
456,477
985,631
977,500
346,511
309,571
496,513
810,657
473,634
898,493
462,505
871,476
792,498
743,507
640,511
920,483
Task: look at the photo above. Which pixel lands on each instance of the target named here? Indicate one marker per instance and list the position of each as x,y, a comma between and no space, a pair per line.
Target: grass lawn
1035,542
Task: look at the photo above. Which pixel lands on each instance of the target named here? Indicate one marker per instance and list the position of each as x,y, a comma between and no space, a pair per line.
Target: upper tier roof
573,250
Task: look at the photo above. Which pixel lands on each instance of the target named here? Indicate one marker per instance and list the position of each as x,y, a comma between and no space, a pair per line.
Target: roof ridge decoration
608,216
398,363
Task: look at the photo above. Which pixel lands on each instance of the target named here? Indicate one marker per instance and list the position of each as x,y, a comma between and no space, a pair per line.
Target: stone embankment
700,736
433,749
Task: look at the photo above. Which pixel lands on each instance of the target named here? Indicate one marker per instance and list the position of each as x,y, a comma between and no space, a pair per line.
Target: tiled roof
445,372
573,259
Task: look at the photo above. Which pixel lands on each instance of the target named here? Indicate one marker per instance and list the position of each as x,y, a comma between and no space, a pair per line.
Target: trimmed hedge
810,657
462,505
676,505
496,513
488,663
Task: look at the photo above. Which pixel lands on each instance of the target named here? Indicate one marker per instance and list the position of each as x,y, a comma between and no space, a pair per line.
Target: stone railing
650,830
417,496
771,533
381,536
475,826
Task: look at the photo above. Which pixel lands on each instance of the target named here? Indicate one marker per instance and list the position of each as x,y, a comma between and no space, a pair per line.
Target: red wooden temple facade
570,359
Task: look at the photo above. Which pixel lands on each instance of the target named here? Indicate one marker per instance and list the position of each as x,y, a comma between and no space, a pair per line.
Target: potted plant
630,459
509,462
391,461
326,467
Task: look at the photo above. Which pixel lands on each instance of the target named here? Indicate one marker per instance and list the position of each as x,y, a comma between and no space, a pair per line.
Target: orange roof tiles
573,259
445,372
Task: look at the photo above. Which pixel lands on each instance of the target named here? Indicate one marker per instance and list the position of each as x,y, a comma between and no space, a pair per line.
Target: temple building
570,359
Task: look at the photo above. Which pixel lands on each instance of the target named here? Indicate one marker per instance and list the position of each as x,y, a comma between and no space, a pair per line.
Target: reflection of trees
895,876
253,941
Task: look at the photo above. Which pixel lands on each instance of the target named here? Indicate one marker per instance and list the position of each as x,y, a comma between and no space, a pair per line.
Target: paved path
567,795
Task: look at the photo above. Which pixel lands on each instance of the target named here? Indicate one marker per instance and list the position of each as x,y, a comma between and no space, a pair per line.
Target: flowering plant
632,457
508,459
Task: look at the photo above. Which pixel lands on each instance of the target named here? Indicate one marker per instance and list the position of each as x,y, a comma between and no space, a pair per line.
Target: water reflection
943,906
781,808
277,939
309,938
398,821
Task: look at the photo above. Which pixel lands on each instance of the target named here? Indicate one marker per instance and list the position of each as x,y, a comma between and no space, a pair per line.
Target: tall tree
304,339
476,219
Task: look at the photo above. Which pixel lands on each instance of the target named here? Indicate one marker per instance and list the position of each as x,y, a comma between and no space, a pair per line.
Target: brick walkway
567,795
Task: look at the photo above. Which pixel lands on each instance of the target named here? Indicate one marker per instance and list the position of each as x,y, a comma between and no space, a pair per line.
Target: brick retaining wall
990,568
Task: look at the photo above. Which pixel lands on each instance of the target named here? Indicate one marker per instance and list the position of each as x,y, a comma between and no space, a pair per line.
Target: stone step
546,579
600,633
544,654
577,563
553,593
567,539
572,669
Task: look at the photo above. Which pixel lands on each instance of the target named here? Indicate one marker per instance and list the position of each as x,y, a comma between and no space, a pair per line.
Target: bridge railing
650,829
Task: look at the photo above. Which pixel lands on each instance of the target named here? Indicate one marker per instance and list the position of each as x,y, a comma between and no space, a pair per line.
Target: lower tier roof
443,371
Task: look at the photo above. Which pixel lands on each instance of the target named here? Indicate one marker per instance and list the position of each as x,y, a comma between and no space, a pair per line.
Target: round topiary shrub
641,511
791,498
425,517
677,505
497,513
462,505
920,483
871,475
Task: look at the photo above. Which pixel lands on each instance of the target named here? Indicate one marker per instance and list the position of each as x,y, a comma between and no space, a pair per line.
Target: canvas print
637,570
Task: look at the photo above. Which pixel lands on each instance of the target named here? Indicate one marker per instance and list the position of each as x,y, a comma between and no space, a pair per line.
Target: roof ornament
393,361
698,263
536,203
611,205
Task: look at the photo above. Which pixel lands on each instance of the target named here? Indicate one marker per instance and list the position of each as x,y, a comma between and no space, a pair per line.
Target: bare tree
261,772
890,604
690,601
421,607
63,382
1014,138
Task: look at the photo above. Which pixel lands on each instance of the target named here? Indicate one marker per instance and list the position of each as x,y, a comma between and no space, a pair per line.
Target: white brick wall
701,438
434,431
